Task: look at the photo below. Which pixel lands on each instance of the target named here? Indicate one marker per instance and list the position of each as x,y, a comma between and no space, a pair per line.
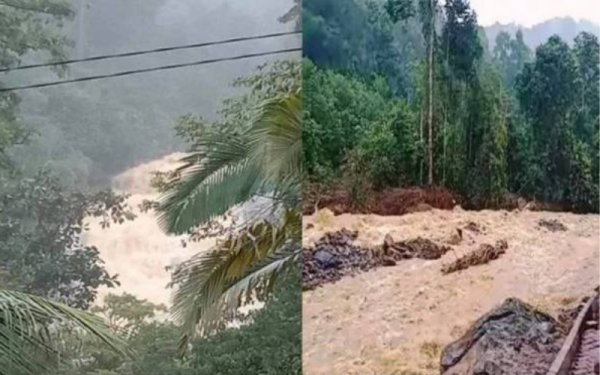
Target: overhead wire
147,70
150,51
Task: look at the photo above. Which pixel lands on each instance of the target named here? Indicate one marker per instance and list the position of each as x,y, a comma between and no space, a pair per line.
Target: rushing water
139,251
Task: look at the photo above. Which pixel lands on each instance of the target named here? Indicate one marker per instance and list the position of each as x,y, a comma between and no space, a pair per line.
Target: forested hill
400,95
565,27
86,133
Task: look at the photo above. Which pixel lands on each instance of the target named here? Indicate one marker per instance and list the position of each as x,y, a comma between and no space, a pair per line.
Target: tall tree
401,10
511,55
587,55
547,92
26,28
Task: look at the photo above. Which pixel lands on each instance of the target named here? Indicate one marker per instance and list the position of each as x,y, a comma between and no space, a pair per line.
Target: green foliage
254,152
126,313
356,177
380,153
555,100
359,38
41,247
31,328
499,123
267,342
230,166
345,114
400,10
336,115
212,285
32,27
270,344
26,28
511,55
461,39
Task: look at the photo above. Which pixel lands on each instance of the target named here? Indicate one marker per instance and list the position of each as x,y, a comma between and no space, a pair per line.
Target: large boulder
511,339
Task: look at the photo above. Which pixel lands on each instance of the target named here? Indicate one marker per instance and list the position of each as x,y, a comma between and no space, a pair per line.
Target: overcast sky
531,12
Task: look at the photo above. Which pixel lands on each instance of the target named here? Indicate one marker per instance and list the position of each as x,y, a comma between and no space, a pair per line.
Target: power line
139,71
145,52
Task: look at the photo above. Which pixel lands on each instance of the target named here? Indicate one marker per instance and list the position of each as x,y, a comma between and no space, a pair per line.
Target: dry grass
324,218
432,350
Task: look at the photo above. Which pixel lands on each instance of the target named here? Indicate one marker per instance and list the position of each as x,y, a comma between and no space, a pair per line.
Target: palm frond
229,167
213,179
276,137
28,324
220,281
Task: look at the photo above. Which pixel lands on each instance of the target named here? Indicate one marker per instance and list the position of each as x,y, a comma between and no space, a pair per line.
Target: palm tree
29,328
227,168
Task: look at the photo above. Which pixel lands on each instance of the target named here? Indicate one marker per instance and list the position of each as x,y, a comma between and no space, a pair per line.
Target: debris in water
333,257
485,254
455,238
513,338
552,225
417,248
474,227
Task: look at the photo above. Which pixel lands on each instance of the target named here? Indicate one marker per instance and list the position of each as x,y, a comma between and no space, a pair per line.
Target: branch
29,9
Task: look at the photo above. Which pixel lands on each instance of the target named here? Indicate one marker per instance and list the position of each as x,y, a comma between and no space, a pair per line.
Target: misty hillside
566,27
87,133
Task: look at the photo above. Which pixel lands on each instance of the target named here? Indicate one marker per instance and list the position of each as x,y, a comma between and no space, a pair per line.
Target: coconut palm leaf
229,167
243,267
276,143
29,326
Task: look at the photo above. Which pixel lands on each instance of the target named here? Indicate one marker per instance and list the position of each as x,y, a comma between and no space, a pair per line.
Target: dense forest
404,93
61,146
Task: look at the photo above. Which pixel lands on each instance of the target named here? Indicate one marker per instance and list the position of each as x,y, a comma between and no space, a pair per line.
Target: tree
586,51
41,249
547,92
400,10
511,55
126,313
463,49
293,14
30,328
25,29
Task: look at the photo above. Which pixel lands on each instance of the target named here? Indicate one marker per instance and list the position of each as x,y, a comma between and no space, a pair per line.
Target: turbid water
395,320
139,251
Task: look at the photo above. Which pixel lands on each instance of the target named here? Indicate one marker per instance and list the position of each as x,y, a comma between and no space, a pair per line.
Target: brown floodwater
396,320
139,251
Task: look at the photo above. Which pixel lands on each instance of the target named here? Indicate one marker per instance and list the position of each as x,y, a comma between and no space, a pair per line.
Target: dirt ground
395,320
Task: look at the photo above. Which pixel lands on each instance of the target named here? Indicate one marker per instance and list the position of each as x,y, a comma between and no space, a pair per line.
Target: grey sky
531,12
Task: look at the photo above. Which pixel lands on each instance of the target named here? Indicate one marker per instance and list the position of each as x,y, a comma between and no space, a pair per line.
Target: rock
326,259
474,227
552,225
333,257
388,241
513,338
455,238
388,262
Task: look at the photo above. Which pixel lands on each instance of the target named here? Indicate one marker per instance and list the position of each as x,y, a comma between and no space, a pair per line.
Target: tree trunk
430,112
421,136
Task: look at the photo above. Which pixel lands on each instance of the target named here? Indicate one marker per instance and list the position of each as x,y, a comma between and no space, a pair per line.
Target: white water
138,251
